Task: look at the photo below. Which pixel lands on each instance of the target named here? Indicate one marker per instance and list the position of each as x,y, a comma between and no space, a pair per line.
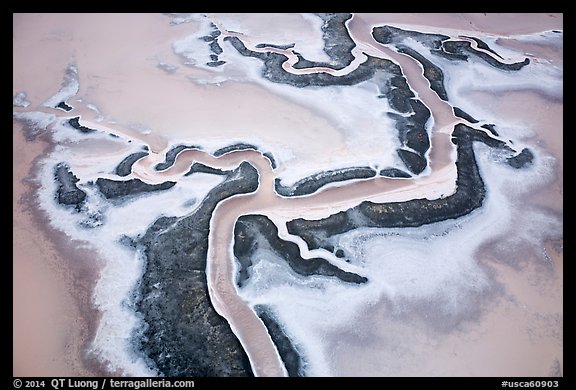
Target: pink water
140,102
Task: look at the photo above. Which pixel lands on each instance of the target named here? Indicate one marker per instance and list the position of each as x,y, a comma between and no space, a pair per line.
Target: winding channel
247,326
439,180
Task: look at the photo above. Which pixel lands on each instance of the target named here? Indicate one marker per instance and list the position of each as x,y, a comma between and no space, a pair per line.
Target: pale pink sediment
134,100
